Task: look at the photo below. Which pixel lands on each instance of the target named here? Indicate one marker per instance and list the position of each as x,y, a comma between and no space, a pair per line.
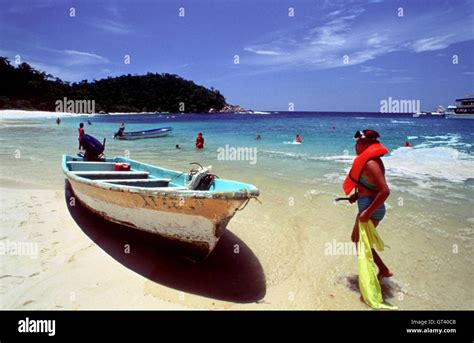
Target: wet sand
274,255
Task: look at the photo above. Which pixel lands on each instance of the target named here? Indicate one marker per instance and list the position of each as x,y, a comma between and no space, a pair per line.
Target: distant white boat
440,111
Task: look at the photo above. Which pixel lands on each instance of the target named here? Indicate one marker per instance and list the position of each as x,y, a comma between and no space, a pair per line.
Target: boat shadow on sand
224,275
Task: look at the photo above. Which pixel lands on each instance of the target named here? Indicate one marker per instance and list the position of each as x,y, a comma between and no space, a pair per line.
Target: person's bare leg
383,269
355,231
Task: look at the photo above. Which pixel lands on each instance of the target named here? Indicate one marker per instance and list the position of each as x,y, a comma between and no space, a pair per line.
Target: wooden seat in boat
139,182
104,175
90,166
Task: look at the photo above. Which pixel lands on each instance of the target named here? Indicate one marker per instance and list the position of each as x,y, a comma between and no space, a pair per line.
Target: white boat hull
460,116
152,135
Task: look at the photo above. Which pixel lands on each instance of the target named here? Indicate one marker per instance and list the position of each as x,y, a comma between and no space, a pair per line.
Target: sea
430,217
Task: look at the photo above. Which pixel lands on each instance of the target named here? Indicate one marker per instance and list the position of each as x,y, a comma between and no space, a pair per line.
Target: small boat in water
164,202
153,133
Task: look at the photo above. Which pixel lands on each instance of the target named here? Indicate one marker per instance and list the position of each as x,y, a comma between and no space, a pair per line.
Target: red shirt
81,133
199,142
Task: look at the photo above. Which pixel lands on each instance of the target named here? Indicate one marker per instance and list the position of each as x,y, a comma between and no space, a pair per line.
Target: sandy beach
84,262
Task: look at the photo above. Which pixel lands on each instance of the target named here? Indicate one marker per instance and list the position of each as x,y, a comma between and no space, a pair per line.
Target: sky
327,55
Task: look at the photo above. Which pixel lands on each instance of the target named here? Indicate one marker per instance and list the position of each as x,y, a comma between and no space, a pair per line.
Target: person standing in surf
367,177
81,132
199,141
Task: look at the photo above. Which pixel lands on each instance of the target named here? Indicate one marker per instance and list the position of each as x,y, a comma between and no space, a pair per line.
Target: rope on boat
248,200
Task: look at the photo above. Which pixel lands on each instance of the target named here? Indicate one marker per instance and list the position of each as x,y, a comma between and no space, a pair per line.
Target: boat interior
106,172
140,175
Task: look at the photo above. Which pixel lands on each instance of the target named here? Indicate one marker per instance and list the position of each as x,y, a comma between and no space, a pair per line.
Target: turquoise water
429,210
440,165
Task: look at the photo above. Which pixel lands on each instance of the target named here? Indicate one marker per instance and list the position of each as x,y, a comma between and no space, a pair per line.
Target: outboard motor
200,179
93,148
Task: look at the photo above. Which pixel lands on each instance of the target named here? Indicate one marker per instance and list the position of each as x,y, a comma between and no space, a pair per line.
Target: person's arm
375,173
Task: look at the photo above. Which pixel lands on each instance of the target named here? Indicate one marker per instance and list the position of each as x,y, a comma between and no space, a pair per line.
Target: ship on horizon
464,108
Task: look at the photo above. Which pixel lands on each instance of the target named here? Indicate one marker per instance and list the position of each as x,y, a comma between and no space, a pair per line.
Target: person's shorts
365,201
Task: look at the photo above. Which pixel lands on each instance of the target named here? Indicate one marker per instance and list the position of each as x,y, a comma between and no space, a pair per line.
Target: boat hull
196,225
145,134
460,116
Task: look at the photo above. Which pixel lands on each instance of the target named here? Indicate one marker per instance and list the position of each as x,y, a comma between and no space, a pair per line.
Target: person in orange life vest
298,139
367,176
81,134
199,141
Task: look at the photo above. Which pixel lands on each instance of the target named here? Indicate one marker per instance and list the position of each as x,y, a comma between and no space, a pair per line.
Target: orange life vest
352,179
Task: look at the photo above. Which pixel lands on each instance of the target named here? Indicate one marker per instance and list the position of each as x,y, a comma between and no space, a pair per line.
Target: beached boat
153,133
158,200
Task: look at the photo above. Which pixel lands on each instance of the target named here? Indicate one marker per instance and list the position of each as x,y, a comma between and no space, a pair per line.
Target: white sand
281,261
23,114
70,271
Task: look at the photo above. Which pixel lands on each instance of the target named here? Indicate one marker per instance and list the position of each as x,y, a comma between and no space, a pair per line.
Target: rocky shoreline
231,109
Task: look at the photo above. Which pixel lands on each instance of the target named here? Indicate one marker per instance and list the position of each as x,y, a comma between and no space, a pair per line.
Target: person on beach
199,141
371,187
120,131
81,134
298,139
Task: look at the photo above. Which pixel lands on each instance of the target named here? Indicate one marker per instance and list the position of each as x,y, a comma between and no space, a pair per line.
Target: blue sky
282,58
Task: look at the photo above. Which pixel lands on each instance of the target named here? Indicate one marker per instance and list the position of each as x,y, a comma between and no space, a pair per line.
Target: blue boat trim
221,188
144,132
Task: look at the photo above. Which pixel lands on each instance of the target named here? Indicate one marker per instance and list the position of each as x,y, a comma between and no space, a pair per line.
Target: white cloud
112,26
74,57
263,52
68,65
349,31
432,43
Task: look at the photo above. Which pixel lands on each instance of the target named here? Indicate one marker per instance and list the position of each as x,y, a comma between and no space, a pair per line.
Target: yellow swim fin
368,282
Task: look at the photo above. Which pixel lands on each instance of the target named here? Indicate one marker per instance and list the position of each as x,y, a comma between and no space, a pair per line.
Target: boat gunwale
166,191
143,132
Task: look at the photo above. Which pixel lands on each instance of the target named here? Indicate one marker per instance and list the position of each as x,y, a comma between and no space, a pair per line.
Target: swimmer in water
199,141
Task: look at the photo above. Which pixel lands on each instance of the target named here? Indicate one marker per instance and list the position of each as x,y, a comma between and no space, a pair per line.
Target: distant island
26,88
